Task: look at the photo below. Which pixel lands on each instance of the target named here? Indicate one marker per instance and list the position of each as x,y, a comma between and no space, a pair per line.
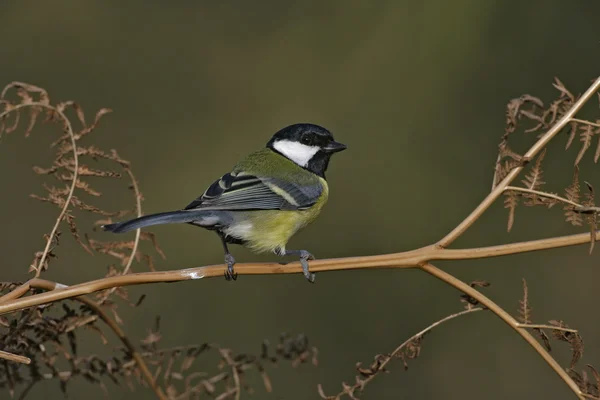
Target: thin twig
579,208
543,194
14,357
138,232
138,208
585,122
506,317
542,326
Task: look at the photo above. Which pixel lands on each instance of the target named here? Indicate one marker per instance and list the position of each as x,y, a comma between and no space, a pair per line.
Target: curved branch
138,207
408,259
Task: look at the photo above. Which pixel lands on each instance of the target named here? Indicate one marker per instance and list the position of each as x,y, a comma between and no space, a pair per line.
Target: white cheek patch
297,152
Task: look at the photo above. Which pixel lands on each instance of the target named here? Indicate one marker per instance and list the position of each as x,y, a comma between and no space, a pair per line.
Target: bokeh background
416,90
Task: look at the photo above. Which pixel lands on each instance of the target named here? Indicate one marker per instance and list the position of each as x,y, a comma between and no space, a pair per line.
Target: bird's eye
305,140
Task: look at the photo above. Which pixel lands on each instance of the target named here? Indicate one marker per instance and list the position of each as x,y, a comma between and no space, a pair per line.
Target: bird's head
310,146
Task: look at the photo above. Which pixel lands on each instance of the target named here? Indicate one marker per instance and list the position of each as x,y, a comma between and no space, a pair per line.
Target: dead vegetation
42,343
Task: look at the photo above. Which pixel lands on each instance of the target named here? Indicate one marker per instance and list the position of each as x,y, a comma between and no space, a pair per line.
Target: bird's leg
304,257
229,260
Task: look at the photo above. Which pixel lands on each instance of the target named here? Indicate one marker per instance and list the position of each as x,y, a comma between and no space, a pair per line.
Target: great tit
265,199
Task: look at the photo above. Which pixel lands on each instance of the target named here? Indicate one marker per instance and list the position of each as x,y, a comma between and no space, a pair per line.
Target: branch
584,122
547,195
578,208
14,357
408,259
542,326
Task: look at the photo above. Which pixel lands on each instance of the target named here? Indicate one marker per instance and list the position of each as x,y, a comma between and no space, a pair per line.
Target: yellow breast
270,230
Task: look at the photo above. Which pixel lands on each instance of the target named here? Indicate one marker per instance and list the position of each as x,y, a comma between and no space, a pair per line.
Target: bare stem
138,232
542,326
543,194
14,357
409,259
584,122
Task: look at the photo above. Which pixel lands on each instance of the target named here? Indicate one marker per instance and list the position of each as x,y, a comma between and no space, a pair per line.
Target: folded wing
240,191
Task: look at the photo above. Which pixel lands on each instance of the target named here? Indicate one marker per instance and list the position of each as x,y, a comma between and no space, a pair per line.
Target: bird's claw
229,274
304,257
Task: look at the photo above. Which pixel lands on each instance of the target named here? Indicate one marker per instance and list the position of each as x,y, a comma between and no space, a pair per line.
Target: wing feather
239,191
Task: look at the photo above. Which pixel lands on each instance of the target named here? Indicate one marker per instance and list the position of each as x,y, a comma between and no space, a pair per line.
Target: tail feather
170,217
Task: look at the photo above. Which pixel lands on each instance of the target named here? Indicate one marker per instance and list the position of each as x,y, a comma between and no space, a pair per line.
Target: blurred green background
416,90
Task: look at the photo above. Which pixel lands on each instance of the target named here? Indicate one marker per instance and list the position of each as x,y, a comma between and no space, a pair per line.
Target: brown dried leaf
70,218
573,193
80,113
592,217
33,114
533,180
152,237
86,188
562,89
572,134
511,200
595,374
102,112
586,135
597,153
544,337
574,339
15,124
524,307
504,168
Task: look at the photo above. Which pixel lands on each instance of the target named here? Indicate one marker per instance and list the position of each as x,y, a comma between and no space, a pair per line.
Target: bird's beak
334,147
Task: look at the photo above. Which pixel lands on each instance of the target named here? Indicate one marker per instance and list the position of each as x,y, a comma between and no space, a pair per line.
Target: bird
266,198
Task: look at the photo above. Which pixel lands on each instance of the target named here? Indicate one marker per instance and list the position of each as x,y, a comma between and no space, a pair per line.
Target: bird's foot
304,257
229,274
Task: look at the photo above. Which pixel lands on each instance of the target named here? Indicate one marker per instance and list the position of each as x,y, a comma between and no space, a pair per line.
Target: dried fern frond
573,193
511,201
586,134
591,217
524,306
